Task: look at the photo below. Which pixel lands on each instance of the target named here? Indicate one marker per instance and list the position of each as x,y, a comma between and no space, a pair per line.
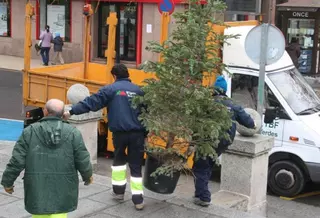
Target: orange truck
42,84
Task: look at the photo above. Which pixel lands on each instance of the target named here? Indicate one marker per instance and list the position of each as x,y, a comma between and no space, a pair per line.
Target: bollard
244,175
86,123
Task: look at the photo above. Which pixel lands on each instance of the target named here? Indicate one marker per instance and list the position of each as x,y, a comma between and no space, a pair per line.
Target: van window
296,91
244,92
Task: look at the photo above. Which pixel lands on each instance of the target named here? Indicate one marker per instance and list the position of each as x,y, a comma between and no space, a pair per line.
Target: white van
292,114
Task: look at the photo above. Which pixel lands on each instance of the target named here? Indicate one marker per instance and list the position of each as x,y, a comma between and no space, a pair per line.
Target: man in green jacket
51,152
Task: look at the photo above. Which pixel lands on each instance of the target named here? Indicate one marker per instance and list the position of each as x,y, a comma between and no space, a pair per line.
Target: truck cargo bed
43,84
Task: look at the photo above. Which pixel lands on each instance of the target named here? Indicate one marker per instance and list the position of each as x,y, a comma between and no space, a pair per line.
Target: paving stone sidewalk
95,201
17,63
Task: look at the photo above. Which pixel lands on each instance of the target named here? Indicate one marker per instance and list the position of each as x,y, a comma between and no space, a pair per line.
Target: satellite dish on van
276,44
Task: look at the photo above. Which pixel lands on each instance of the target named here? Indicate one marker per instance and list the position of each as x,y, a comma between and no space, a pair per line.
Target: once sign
300,14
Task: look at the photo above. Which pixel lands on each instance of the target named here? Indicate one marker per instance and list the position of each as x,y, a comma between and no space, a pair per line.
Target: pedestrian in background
294,52
46,39
202,168
51,152
57,48
128,132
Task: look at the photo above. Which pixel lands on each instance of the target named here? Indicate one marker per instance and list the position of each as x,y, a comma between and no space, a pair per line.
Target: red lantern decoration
86,10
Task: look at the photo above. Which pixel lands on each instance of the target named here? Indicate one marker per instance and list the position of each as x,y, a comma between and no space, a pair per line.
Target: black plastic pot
160,184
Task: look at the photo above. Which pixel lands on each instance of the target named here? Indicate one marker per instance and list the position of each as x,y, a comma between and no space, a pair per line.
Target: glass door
104,12
126,30
303,30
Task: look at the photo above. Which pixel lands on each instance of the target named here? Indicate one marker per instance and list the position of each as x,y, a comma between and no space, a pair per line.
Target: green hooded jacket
51,152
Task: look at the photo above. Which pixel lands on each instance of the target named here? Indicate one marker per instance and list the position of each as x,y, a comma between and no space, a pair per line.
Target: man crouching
51,152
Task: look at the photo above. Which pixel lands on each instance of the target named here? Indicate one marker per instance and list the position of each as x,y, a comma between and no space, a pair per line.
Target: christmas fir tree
181,112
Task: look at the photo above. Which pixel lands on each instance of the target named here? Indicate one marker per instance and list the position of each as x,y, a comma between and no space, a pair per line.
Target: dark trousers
45,55
202,170
134,142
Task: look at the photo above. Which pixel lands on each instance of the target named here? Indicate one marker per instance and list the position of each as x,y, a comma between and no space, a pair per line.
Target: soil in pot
161,184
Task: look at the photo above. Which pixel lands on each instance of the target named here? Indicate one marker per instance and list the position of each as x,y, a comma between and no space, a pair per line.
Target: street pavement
95,200
17,63
11,93
11,106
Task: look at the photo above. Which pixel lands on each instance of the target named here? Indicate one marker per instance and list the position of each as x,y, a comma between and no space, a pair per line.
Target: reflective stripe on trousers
136,185
119,177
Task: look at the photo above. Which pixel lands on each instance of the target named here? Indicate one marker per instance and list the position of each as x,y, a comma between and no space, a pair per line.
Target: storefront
56,14
126,42
138,22
5,18
63,16
301,20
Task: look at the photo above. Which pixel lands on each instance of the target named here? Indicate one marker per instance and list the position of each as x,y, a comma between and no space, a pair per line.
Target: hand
89,181
66,115
9,190
190,150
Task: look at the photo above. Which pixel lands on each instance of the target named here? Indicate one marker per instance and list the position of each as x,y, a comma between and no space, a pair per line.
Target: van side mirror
270,115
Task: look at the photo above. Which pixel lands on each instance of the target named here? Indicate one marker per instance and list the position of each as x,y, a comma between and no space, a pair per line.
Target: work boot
194,198
118,197
139,206
199,202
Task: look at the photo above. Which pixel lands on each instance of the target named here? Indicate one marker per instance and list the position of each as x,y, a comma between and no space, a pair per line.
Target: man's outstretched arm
94,102
243,118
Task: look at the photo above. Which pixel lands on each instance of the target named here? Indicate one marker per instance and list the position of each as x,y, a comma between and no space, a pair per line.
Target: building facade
64,17
138,22
301,20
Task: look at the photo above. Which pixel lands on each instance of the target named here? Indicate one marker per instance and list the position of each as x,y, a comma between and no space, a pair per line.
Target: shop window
303,30
5,28
128,20
57,15
126,30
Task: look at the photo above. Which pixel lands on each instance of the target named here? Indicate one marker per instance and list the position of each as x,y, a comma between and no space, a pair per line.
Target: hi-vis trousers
60,215
134,141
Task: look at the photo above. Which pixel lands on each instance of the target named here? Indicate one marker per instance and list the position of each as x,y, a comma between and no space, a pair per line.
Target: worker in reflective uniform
128,132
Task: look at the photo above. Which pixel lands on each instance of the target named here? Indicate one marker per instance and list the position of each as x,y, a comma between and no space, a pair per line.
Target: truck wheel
286,179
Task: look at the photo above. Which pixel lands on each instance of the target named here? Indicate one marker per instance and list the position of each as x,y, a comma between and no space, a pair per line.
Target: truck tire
285,178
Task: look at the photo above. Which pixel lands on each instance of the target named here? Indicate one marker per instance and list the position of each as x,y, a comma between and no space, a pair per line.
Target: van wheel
286,179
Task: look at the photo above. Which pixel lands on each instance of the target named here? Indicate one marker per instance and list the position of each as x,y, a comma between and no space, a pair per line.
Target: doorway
126,30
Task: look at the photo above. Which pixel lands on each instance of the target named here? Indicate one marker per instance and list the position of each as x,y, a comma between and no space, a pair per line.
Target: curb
11,70
3,142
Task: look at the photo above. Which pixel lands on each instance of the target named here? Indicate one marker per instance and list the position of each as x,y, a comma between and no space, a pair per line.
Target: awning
300,5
